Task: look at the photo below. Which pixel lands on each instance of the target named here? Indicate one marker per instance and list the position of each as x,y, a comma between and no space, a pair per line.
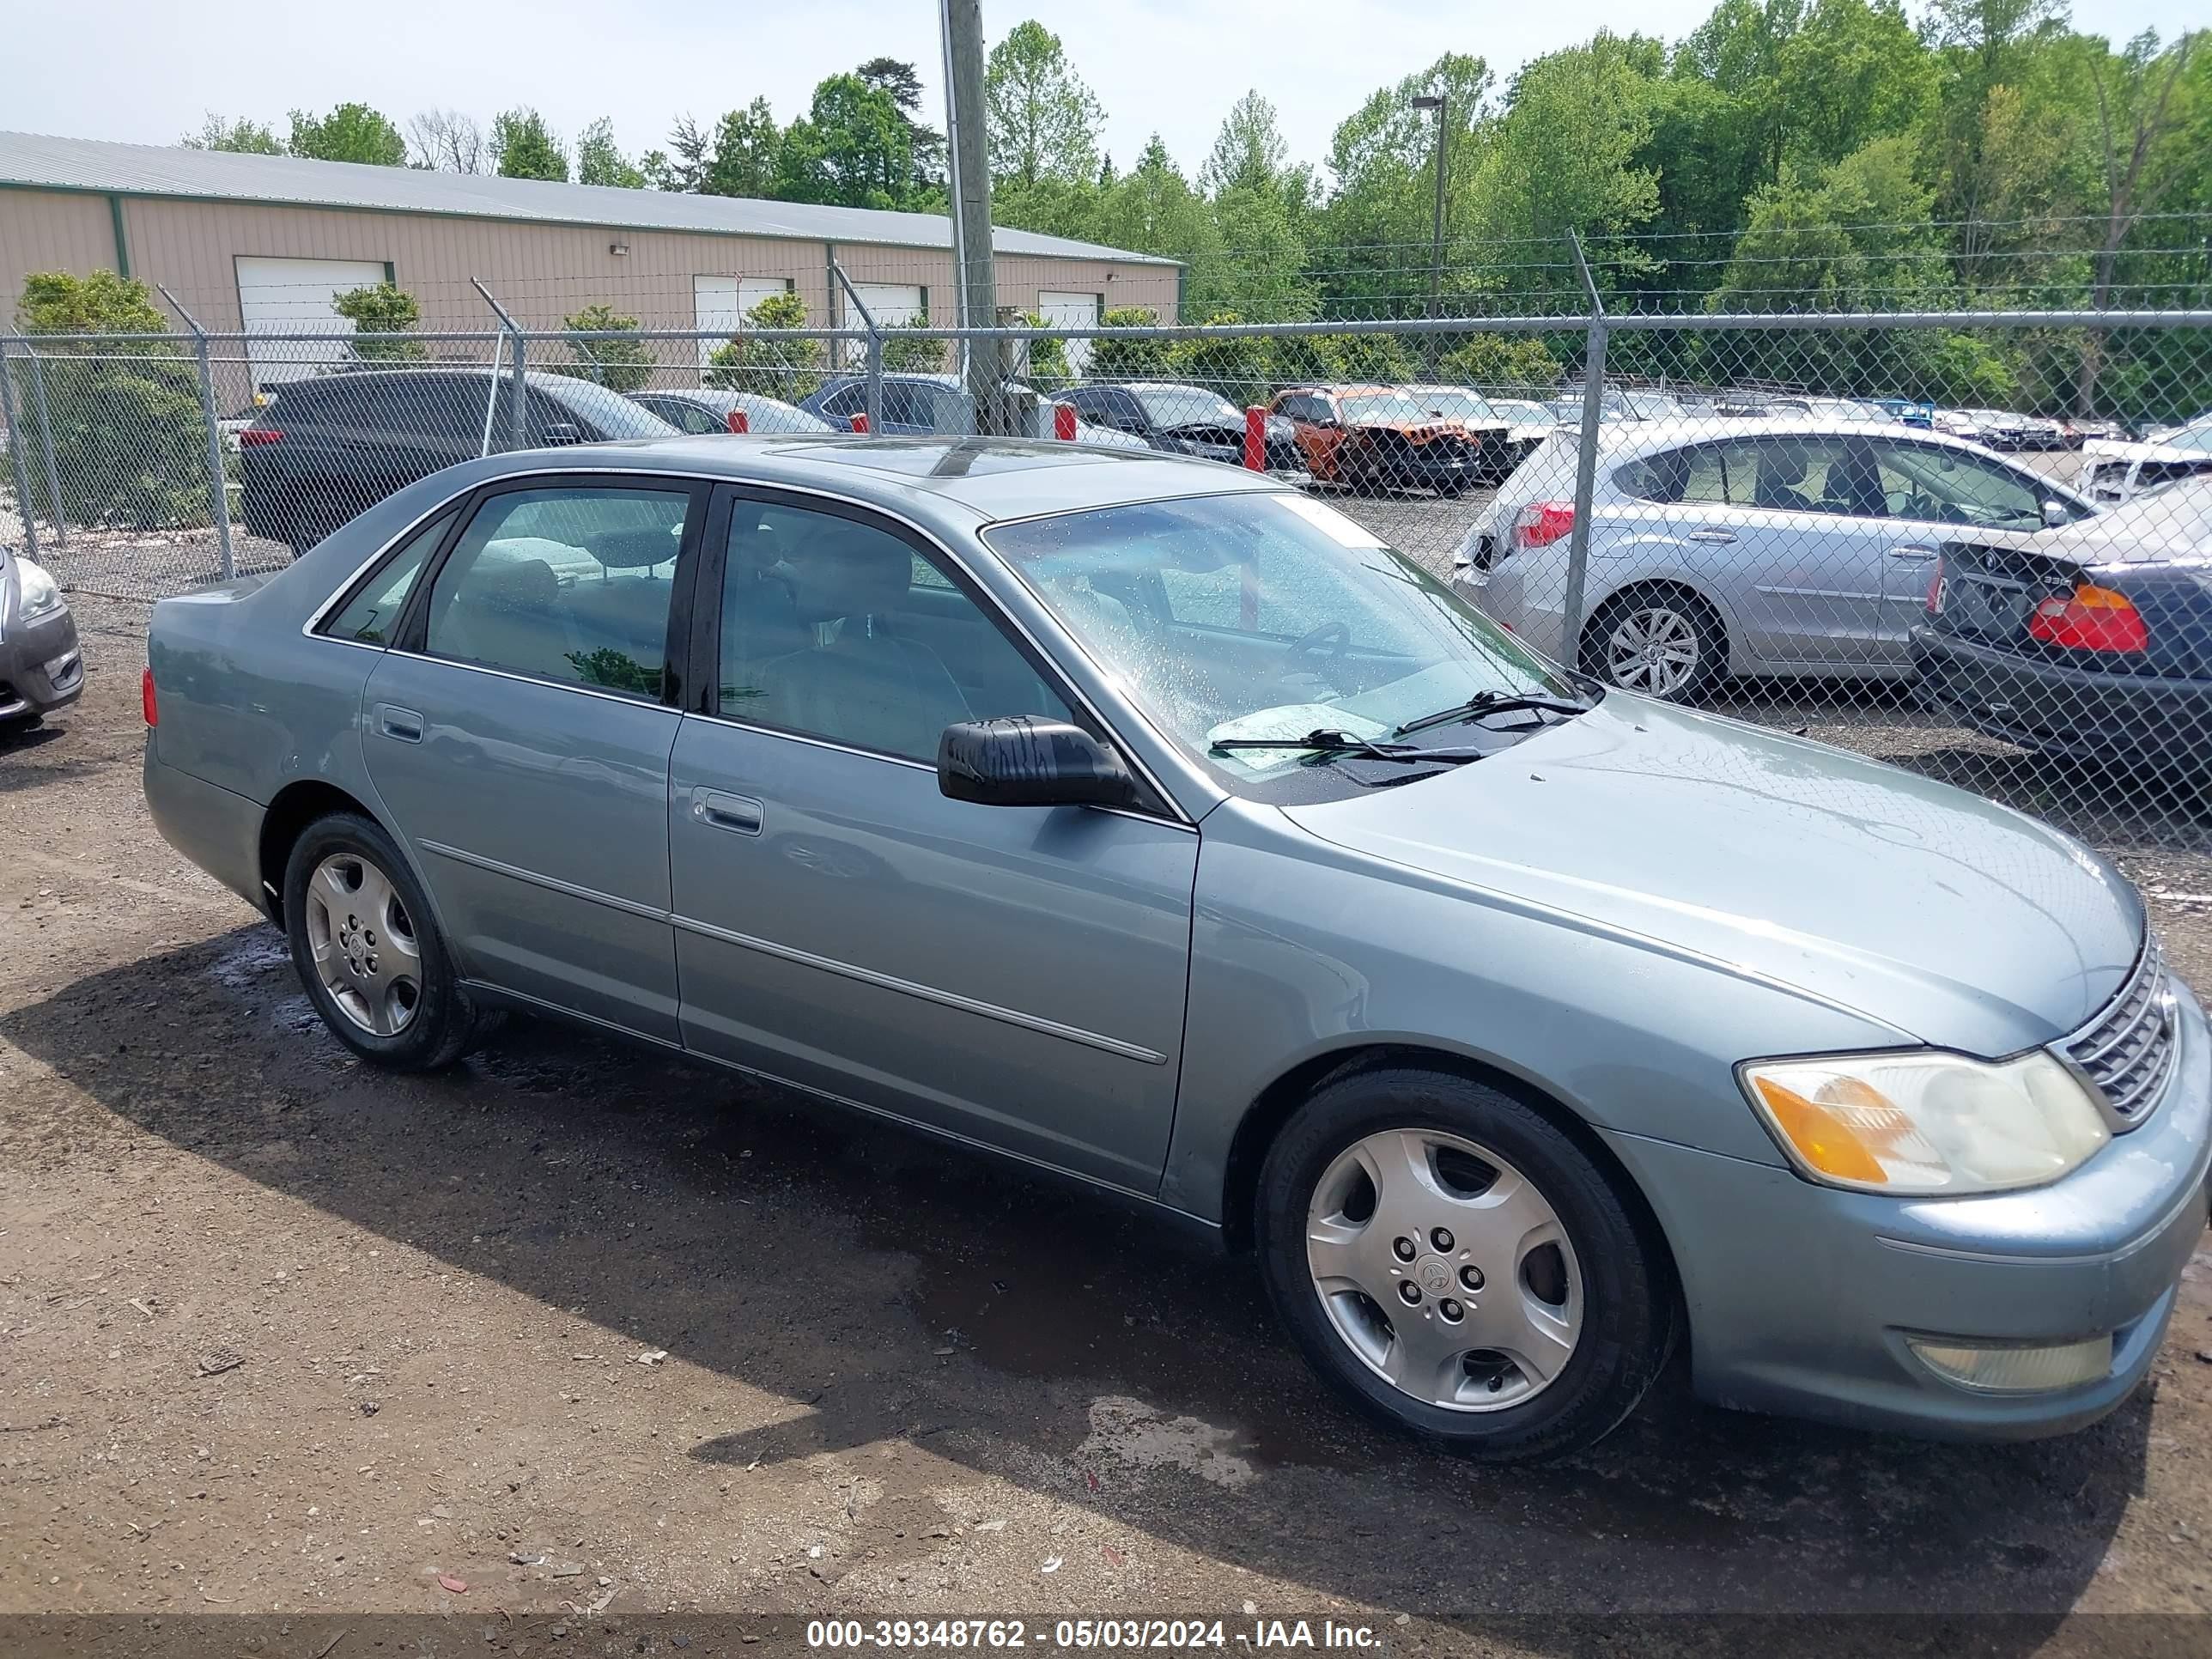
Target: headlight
41,593
1927,1123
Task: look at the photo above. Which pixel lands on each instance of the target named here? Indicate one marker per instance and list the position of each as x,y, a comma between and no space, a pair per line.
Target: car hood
1952,919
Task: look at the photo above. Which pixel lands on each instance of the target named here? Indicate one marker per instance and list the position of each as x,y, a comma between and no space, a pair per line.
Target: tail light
148,705
253,437
2090,619
860,422
737,421
1541,523
1935,588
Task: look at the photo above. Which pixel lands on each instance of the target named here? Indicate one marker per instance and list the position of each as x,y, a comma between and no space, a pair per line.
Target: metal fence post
875,362
517,429
1571,606
46,438
219,486
15,454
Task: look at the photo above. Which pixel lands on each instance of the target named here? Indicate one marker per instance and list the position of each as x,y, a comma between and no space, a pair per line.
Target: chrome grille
2129,1050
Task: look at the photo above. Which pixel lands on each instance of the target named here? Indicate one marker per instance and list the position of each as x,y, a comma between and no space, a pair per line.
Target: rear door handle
741,815
1717,538
393,721
1913,552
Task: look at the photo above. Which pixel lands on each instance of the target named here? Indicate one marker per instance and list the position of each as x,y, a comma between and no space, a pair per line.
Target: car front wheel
1457,1267
368,952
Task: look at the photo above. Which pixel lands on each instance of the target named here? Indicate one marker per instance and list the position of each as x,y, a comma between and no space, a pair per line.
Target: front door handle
1912,551
393,721
1717,538
740,815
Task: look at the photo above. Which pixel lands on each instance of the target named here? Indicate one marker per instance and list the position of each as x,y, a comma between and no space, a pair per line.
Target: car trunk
1990,591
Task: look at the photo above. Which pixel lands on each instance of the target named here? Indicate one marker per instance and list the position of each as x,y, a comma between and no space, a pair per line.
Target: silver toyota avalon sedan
1145,821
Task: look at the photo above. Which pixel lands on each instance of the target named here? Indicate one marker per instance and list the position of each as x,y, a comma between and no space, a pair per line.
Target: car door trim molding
567,889
882,981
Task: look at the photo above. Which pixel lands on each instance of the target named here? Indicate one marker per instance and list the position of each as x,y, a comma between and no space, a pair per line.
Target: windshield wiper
1336,744
1489,703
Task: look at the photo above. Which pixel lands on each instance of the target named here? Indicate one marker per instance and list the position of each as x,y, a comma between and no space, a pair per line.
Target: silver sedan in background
41,665
1771,546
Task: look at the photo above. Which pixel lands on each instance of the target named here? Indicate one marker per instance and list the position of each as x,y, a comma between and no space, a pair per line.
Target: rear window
613,415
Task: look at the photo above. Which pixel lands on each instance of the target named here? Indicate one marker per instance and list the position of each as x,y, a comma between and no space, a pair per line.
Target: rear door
518,731
1932,493
1013,976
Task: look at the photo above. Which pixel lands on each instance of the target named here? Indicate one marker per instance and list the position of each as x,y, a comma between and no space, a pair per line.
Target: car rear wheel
1663,642
1457,1267
367,950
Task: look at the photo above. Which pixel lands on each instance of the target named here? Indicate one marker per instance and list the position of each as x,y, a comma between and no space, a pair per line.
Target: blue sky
152,68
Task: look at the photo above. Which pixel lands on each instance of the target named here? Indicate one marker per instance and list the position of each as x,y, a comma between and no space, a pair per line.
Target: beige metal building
261,244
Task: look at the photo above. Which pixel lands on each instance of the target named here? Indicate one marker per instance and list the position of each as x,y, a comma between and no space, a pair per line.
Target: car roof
989,478
1695,429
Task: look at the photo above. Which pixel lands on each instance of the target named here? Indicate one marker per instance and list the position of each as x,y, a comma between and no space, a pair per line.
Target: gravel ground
611,1343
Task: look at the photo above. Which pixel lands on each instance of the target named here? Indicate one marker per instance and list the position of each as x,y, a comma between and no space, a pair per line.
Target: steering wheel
1334,638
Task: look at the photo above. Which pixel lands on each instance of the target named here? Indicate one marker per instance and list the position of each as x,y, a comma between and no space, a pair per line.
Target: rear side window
369,616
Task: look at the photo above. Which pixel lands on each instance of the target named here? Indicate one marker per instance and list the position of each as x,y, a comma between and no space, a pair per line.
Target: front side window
567,585
368,616
836,628
1935,483
1256,616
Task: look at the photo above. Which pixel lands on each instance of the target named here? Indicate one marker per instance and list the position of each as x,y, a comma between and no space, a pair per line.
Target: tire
369,955
1593,1307
1684,646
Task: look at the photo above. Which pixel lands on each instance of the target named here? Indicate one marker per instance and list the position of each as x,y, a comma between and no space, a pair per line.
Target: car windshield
2195,437
1258,615
1442,403
609,411
1185,405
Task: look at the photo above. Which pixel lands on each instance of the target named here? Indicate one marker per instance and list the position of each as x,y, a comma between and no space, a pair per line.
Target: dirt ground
586,1343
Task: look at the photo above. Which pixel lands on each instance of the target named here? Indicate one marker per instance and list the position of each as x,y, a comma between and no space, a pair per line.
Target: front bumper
41,666
1801,1297
2086,715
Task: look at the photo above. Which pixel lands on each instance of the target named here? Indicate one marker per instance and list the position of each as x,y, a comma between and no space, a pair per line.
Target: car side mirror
1028,762
560,433
2054,514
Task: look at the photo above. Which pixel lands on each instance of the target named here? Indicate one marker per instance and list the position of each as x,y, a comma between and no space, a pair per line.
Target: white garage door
293,296
1071,311
893,305
720,304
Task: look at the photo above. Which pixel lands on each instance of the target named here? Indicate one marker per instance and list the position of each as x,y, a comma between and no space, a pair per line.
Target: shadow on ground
827,1258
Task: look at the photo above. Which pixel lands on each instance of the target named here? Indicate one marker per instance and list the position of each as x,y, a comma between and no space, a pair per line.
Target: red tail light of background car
1541,523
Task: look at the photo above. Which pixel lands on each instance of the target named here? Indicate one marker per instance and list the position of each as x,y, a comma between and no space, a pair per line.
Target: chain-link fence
1975,544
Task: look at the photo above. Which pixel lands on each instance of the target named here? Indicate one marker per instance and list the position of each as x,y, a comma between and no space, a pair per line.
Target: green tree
1043,116
382,309
1129,359
618,364
352,132
244,137
852,148
789,369
130,438
905,354
599,160
524,147
898,81
1236,367
1503,362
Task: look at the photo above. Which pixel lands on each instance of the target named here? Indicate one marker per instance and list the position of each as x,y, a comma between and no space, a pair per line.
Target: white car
1790,546
2115,472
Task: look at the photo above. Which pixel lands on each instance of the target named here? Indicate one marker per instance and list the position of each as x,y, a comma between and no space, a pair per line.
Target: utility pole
1440,102
967,147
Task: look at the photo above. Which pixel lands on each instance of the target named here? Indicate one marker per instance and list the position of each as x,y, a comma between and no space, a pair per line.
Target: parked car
2092,641
1188,420
1996,428
2043,432
1382,437
41,663
324,448
1029,794
2080,432
1905,411
1769,546
705,409
2119,471
923,406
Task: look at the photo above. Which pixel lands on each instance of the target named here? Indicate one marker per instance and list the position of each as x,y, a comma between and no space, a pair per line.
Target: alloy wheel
1445,1269
1654,649
365,952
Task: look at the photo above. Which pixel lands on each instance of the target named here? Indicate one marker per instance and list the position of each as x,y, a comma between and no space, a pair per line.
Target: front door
1933,493
1015,976
519,735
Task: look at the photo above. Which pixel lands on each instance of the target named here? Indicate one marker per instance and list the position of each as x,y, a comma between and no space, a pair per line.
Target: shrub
130,438
1496,361
1048,359
1236,368
382,309
790,370
904,354
617,365
1129,359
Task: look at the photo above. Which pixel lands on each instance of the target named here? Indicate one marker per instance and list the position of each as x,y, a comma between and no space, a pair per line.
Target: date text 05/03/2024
1262,1635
